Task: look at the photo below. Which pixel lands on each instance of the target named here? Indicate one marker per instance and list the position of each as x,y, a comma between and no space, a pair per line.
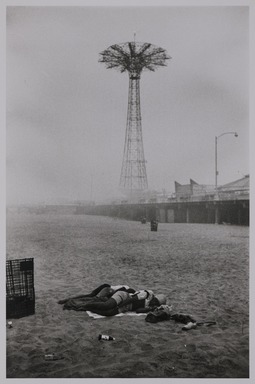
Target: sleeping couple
107,300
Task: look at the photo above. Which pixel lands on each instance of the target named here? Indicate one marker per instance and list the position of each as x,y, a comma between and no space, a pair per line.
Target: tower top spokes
134,57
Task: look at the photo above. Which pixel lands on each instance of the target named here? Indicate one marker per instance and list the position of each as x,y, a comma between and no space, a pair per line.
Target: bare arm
129,300
145,310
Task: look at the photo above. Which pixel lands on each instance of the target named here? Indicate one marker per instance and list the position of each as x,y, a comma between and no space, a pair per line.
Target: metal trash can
154,225
20,294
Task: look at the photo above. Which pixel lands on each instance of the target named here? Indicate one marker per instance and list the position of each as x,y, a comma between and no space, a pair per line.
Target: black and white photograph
127,196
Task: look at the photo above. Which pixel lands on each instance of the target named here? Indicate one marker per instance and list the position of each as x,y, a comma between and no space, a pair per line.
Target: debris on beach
163,313
159,314
105,337
53,356
206,323
188,326
193,325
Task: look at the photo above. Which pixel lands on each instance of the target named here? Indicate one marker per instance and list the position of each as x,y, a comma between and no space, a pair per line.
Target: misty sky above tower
66,113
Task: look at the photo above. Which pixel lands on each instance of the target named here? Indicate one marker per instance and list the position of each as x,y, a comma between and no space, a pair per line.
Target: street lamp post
216,165
91,187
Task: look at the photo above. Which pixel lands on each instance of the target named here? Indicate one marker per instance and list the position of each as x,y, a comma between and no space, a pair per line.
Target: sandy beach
202,269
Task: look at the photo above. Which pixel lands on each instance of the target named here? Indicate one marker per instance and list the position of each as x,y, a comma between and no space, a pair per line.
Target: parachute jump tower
134,57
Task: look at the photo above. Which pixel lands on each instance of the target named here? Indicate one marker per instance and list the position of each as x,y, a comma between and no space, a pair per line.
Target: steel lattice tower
133,57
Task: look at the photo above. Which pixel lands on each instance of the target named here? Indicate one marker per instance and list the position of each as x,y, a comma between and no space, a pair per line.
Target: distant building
193,190
239,189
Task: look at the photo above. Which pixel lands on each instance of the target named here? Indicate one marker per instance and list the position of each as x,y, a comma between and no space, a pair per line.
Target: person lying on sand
101,293
124,301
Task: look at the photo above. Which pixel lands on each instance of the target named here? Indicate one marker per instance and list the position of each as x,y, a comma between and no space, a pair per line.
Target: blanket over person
103,293
79,304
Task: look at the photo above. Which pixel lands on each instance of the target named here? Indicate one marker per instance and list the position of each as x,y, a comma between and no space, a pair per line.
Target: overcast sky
66,113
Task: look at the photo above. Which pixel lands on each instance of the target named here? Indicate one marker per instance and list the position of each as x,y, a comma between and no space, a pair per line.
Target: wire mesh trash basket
154,225
20,295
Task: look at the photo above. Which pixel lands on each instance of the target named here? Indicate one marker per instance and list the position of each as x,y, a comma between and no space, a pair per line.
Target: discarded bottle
105,337
53,356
